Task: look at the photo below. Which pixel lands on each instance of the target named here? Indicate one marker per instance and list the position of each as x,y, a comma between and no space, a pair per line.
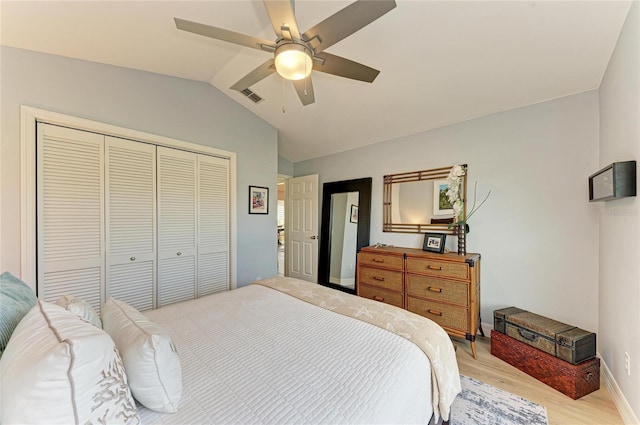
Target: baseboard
487,328
628,416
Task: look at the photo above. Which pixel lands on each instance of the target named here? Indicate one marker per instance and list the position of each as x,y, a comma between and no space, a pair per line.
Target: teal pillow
16,299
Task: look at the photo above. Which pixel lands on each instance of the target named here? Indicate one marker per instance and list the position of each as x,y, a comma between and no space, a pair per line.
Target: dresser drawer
389,261
386,279
438,268
379,294
438,289
443,314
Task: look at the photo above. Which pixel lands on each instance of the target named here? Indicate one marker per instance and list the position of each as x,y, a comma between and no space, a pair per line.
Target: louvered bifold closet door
177,238
70,214
213,225
130,220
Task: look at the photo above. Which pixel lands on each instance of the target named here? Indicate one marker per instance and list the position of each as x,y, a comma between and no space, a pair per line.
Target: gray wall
619,220
285,167
537,233
171,107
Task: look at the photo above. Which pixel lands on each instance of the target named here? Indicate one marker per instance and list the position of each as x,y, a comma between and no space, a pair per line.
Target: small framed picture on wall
258,200
434,242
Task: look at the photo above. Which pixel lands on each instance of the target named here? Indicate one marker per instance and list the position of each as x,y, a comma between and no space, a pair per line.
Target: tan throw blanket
426,334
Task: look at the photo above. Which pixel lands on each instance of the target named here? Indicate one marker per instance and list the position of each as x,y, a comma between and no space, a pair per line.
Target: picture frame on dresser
434,242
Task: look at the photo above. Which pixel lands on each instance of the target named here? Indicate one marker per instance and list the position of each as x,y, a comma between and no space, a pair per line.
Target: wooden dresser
442,287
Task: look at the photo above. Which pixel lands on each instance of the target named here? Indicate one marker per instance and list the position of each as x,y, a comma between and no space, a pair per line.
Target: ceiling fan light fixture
293,61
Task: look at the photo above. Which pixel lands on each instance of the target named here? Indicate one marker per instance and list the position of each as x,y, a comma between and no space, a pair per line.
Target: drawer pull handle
434,312
434,289
378,278
378,260
132,258
430,267
378,298
529,336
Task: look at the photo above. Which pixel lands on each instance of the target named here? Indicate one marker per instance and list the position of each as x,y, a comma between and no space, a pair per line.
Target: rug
483,404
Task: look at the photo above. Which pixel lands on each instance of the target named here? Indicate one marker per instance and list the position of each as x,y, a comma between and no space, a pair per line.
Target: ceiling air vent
251,95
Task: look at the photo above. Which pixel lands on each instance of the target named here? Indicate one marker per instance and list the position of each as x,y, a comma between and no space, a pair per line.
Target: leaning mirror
346,209
416,202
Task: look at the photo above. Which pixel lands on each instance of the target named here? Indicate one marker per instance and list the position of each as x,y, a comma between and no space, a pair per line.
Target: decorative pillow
80,308
149,356
16,299
59,369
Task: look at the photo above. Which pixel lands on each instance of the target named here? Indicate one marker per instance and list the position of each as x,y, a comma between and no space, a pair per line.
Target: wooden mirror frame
424,175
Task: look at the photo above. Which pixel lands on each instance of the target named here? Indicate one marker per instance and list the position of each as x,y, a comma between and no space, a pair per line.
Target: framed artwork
353,218
434,242
258,200
441,204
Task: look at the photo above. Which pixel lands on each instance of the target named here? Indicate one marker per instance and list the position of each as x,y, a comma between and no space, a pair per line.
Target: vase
462,238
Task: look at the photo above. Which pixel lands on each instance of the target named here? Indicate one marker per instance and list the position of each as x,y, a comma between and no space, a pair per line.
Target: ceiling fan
295,54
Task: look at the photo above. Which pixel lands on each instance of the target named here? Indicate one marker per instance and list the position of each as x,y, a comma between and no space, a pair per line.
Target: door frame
29,117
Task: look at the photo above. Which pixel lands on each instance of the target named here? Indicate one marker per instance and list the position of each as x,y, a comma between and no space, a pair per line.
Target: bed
278,351
287,351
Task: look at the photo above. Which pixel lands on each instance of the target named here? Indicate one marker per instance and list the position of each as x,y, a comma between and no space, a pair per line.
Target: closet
131,220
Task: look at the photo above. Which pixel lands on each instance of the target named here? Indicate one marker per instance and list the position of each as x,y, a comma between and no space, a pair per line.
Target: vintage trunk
556,338
572,380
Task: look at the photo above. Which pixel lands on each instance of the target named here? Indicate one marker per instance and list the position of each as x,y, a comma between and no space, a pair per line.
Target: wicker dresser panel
387,279
452,316
438,268
438,289
379,294
442,287
380,260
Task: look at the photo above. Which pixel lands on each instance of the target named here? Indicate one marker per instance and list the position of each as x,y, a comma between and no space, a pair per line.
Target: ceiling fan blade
304,88
342,67
282,17
345,22
223,34
258,74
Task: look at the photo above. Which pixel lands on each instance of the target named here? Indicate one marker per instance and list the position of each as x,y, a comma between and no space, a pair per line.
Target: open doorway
281,222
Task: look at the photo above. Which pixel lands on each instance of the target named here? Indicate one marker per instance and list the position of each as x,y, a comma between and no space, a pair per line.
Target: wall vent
251,95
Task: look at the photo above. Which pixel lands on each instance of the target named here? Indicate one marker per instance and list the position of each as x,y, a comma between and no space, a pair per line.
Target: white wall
537,233
171,107
620,219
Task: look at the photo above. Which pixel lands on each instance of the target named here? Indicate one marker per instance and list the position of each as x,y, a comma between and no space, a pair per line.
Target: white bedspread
256,355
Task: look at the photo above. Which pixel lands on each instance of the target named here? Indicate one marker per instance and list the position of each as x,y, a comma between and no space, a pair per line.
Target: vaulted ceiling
441,62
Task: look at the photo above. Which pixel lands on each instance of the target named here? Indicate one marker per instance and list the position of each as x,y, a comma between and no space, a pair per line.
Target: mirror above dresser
416,202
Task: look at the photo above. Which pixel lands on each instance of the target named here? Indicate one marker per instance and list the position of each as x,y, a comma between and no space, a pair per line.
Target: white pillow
149,356
59,369
80,308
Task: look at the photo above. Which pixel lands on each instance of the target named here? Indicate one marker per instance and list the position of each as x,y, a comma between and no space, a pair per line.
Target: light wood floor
594,408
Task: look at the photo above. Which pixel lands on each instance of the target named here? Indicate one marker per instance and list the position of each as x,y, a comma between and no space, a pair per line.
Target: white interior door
131,221
70,207
177,232
213,225
302,228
